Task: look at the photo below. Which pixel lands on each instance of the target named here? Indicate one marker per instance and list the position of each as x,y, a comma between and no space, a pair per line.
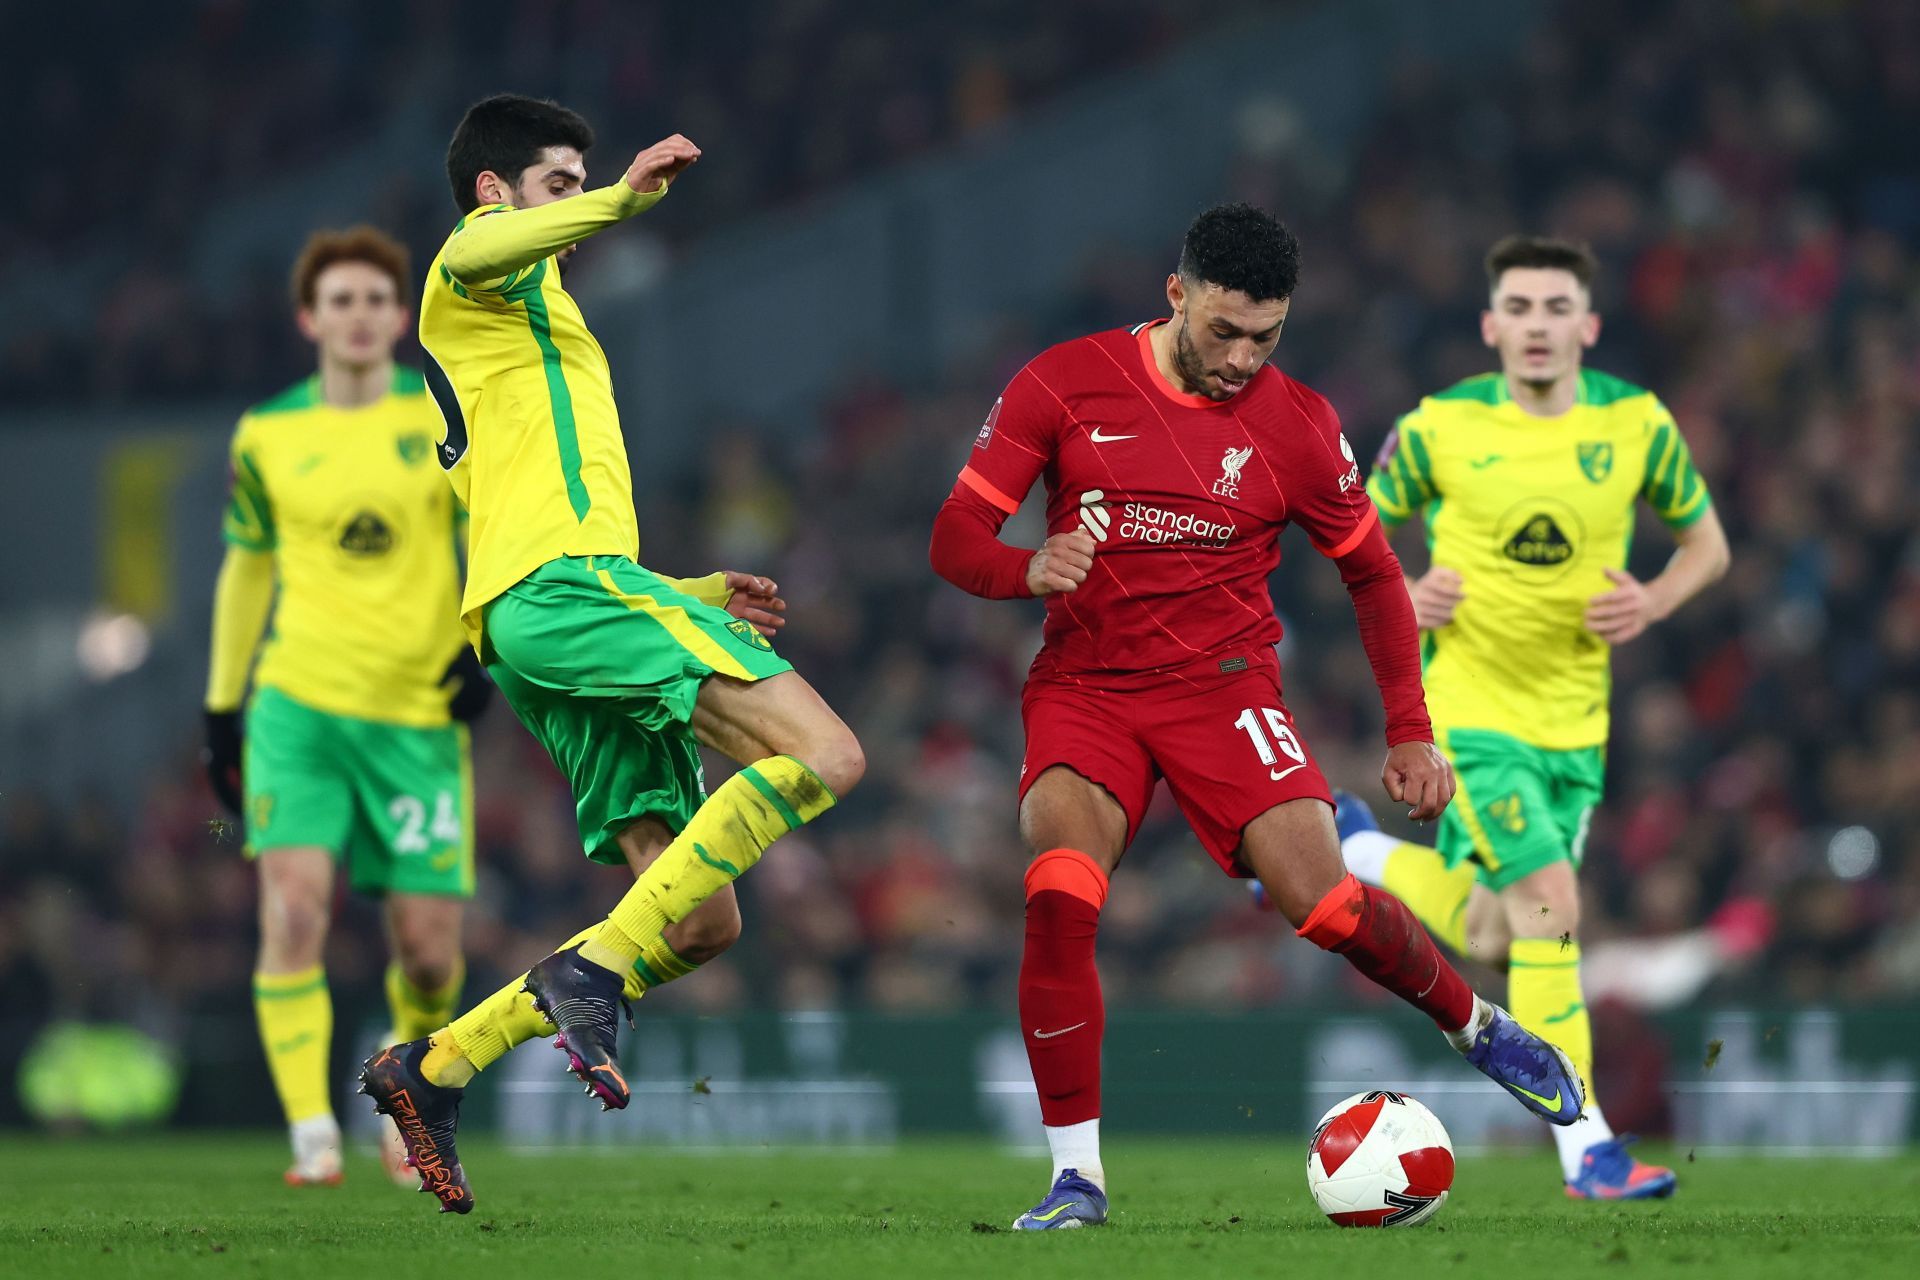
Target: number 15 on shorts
1273,740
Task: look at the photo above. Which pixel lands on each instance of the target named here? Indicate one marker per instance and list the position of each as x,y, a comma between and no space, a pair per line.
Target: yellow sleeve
711,589
493,243
1402,479
248,522
1672,486
242,597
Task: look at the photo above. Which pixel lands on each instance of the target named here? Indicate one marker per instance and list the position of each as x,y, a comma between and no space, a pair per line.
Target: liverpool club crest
1228,485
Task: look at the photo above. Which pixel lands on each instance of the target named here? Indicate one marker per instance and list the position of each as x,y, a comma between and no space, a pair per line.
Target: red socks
1379,937
1062,1017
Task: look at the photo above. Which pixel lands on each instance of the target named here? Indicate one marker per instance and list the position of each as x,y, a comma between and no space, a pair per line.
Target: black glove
468,687
221,756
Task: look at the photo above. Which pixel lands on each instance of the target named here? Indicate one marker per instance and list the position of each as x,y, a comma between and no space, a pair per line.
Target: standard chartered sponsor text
1142,522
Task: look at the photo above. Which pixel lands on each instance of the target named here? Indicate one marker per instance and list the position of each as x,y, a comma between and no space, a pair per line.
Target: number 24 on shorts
411,813
1275,741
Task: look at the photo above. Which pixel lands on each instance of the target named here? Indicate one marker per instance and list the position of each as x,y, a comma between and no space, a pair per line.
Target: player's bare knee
1545,904
836,758
707,932
293,923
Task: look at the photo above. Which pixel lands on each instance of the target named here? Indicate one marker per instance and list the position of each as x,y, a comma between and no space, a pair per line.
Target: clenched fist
1061,563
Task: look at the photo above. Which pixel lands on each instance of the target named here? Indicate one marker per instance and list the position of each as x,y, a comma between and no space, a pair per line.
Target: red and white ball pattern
1379,1159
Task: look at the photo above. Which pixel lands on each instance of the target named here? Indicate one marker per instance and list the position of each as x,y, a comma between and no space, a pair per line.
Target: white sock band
1366,853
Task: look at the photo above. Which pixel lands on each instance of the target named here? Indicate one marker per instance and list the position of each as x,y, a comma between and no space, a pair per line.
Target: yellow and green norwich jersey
1529,512
363,534
532,443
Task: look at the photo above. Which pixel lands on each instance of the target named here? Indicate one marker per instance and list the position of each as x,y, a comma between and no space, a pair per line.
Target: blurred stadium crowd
799,95
1753,192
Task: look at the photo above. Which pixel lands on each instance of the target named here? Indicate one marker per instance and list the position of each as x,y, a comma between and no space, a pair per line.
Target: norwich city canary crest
743,629
1596,459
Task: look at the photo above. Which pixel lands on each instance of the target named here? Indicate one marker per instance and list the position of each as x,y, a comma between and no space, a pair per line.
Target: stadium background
896,208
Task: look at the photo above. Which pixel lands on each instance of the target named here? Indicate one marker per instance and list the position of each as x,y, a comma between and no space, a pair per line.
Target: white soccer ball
1379,1159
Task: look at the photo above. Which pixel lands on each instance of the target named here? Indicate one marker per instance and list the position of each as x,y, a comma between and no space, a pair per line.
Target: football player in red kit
1174,455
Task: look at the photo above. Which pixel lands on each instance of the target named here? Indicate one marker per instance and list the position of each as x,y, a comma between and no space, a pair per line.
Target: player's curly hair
1237,246
1544,252
505,134
365,244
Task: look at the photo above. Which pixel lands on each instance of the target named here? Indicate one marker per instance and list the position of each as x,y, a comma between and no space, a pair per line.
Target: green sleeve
1671,486
249,517
1402,479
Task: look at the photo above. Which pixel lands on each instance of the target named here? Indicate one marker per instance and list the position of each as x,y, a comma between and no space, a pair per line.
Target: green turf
214,1206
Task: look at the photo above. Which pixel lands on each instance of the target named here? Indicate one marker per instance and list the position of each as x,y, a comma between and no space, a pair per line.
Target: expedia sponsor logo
1163,526
986,428
367,534
1541,536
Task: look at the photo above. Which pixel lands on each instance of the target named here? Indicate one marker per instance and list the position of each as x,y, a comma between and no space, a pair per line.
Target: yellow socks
732,829
658,965
295,1013
1436,895
482,1036
727,835
417,1012
1543,992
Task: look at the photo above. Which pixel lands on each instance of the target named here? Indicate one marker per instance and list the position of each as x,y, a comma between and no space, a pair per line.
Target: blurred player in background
353,750
619,673
1174,455
1528,480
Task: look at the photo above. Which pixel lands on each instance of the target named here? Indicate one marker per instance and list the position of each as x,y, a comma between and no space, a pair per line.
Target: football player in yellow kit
1528,480
619,672
354,754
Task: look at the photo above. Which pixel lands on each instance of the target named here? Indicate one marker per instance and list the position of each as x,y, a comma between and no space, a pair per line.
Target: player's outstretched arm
493,247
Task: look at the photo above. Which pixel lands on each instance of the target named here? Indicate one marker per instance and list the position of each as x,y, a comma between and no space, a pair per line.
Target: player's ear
1489,334
303,320
402,321
1590,329
489,189
1176,292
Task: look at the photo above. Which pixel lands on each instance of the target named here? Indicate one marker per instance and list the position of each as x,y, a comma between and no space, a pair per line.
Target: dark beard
1186,362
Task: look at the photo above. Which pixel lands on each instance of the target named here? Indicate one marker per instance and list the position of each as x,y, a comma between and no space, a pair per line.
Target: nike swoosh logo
1052,1213
1551,1104
1048,1035
1570,1010
1278,774
1481,464
1097,438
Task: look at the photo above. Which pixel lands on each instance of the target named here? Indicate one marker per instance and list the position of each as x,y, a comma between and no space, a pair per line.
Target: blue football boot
1529,1068
1073,1202
1607,1172
1351,815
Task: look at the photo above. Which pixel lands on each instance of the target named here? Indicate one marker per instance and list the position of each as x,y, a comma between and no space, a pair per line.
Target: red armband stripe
985,488
1353,539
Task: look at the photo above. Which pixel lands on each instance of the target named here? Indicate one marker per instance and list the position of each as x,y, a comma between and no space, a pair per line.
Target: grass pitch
163,1206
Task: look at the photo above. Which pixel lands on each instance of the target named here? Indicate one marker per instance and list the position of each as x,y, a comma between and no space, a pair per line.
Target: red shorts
1226,748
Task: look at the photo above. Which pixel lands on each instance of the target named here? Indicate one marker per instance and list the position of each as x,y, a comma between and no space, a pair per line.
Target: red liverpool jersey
1185,498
